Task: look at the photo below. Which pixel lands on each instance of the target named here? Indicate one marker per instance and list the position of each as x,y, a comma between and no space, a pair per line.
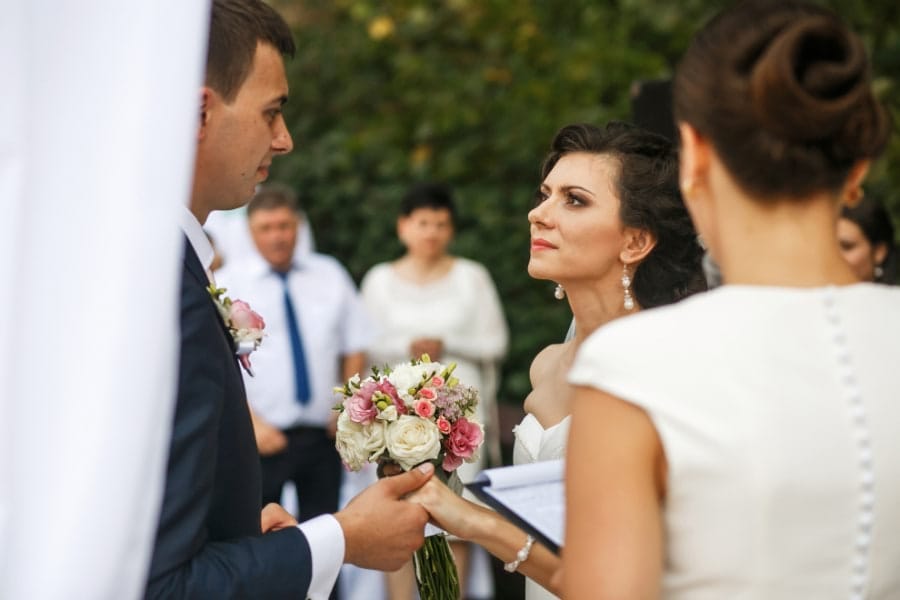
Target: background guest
316,333
866,235
429,301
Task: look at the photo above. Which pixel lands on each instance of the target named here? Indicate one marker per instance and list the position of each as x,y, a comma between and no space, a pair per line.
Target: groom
213,540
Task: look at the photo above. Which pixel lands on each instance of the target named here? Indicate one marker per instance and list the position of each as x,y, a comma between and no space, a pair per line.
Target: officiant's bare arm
480,525
615,484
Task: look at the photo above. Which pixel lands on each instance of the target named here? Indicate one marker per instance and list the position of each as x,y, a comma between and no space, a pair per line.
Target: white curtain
98,113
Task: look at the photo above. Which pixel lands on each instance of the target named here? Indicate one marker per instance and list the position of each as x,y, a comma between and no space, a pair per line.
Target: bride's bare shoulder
545,361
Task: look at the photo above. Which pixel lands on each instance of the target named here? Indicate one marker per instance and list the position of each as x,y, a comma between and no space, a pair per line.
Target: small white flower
388,414
406,376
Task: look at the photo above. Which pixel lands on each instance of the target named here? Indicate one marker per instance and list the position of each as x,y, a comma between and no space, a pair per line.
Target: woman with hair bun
745,443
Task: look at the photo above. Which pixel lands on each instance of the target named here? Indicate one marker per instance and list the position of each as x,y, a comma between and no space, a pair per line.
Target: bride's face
576,233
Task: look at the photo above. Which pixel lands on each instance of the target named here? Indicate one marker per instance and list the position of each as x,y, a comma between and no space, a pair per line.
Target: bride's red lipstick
541,244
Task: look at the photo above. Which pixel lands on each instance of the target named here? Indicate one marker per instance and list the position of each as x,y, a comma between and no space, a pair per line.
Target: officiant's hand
274,517
379,518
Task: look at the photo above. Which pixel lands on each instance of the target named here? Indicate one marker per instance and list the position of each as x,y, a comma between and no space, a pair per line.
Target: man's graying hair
272,196
236,27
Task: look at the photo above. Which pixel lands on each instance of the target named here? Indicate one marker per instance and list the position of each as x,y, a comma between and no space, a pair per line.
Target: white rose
358,444
375,443
412,440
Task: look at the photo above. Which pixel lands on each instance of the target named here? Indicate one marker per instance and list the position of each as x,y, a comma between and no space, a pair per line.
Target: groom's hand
381,530
274,517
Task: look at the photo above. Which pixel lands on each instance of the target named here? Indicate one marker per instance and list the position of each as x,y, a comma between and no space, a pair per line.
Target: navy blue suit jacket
209,543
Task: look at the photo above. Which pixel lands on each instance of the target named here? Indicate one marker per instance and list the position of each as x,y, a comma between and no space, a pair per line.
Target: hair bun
811,80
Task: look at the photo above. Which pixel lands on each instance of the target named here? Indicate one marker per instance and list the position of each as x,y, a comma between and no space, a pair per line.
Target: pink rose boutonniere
244,325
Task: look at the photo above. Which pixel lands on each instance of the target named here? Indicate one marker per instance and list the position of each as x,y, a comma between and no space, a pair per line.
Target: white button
863,540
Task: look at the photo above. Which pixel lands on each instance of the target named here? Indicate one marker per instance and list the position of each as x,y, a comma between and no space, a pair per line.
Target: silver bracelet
521,556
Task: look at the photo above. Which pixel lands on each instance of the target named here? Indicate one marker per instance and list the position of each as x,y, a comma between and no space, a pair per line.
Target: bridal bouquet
413,413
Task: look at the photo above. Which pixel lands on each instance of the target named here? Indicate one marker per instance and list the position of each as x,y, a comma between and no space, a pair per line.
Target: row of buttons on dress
857,412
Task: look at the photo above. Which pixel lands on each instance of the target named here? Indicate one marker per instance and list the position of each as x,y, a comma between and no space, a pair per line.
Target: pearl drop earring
628,302
559,292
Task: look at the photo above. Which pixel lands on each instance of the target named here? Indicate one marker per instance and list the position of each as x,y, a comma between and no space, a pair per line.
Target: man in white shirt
213,539
295,434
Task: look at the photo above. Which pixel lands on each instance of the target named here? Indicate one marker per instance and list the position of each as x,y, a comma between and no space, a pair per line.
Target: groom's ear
206,97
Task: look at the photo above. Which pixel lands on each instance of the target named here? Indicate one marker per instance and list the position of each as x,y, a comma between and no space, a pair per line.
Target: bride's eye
574,200
539,196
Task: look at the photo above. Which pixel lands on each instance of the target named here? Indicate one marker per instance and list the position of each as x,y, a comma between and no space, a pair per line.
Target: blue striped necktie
301,378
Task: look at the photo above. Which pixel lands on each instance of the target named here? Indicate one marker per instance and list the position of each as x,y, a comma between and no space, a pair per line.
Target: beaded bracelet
521,556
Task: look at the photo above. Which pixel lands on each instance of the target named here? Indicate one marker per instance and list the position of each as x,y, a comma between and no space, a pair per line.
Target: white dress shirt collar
260,267
197,237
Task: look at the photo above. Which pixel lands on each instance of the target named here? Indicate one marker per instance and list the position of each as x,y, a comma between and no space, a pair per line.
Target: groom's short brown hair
236,26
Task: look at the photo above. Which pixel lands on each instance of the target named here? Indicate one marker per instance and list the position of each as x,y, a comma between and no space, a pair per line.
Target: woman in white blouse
745,443
431,302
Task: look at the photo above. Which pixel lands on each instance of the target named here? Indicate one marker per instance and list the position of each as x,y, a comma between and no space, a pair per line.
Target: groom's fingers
400,485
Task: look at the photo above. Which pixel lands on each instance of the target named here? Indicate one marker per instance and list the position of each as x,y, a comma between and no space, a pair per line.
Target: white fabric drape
98,115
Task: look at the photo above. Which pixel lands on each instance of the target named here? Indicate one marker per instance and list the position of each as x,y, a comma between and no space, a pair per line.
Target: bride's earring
559,292
628,302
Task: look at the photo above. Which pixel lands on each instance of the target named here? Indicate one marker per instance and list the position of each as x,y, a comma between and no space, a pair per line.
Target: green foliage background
470,93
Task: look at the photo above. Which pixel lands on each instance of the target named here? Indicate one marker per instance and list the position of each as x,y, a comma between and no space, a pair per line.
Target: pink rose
243,317
451,462
443,425
360,409
464,439
437,381
424,409
426,393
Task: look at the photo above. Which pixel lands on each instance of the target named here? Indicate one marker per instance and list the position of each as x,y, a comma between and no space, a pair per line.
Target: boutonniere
244,325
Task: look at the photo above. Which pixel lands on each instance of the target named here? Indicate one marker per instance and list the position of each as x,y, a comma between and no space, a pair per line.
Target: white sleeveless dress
779,413
533,443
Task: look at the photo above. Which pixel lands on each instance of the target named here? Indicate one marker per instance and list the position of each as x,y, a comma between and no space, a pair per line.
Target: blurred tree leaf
470,93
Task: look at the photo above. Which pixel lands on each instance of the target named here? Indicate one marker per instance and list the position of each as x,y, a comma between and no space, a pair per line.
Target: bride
610,228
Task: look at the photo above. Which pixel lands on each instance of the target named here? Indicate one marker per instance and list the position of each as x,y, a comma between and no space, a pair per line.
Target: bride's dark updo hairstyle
782,89
646,185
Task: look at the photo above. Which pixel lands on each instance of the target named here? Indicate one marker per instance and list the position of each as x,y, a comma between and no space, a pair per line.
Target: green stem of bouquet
436,575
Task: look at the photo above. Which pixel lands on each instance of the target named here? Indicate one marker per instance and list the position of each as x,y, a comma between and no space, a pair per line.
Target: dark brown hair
437,196
649,198
272,196
782,88
236,26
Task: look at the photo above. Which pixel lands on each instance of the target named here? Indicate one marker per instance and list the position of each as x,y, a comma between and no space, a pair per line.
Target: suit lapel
193,266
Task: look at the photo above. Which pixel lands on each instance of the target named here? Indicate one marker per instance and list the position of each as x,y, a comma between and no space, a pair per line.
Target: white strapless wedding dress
533,444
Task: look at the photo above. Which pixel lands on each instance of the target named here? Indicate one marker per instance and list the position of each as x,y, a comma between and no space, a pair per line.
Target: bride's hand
448,511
